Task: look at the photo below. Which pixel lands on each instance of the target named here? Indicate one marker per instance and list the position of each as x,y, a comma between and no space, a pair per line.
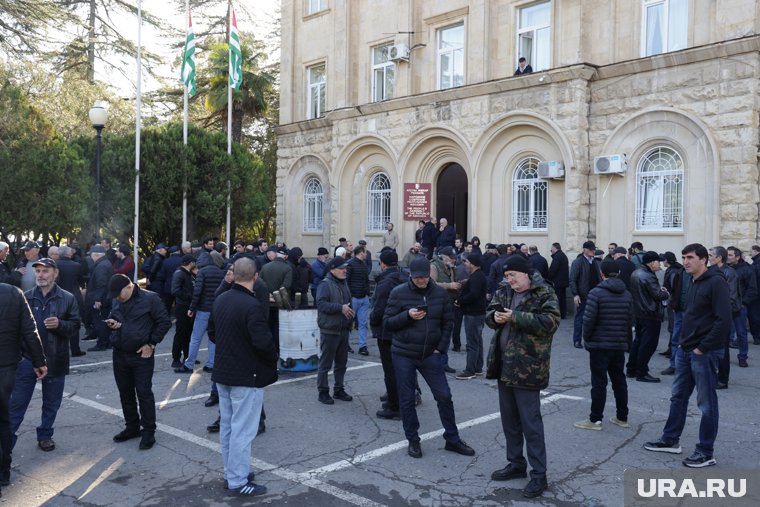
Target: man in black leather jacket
57,318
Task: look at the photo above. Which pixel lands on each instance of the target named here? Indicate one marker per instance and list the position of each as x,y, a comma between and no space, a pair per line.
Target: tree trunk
91,43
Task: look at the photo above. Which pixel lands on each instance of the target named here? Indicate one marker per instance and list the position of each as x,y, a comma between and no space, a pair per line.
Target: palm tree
251,101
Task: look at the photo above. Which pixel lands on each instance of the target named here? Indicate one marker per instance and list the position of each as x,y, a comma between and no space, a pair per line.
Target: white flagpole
229,137
184,158
138,126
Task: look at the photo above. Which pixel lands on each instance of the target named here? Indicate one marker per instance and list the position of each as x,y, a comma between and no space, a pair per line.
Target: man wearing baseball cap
57,318
648,312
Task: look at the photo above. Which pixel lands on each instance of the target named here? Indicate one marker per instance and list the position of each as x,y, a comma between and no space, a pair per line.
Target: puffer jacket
63,305
332,294
357,278
206,282
608,317
17,329
418,339
386,282
526,359
647,295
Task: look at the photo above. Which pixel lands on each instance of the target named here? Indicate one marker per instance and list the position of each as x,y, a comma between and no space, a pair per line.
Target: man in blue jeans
357,278
706,323
420,317
57,318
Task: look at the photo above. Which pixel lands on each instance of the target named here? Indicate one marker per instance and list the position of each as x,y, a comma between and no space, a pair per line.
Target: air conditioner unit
610,164
399,52
552,169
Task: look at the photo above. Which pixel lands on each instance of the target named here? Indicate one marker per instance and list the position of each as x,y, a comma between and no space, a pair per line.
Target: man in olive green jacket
525,314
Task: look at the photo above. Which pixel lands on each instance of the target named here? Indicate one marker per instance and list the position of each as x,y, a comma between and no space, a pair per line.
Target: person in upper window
523,67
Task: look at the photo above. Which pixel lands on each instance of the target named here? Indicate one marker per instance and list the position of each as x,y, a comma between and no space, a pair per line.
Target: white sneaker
622,424
588,425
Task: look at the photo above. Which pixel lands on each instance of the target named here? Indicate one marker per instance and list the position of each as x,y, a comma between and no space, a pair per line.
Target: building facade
639,121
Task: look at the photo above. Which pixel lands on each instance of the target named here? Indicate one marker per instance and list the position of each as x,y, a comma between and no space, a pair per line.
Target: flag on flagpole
188,58
236,57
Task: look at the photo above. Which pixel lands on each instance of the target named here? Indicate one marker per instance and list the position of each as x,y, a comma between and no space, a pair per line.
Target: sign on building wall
416,201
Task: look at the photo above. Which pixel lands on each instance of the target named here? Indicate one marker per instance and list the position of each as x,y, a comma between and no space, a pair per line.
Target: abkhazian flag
188,58
236,57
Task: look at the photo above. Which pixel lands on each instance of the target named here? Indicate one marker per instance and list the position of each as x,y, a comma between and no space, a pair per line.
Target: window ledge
312,233
317,14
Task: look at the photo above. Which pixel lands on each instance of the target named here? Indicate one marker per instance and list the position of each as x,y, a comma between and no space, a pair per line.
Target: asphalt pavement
342,455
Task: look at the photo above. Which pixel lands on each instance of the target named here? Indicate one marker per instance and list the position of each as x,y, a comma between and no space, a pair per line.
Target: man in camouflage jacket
525,314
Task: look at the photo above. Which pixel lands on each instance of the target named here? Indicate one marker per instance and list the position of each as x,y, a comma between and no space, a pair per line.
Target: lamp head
99,114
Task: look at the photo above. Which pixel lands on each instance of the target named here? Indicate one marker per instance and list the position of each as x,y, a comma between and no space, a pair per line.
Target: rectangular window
534,34
316,6
317,85
451,56
664,26
383,74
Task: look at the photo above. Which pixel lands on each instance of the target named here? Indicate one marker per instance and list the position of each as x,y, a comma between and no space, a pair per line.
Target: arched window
313,198
529,197
659,190
378,203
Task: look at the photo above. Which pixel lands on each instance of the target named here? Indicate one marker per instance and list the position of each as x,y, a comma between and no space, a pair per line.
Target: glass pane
322,102
655,37
314,102
316,74
543,49
377,84
380,55
458,68
445,77
535,15
452,37
390,72
678,19
526,47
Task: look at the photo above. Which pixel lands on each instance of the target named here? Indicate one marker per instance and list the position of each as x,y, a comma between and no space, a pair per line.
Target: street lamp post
98,118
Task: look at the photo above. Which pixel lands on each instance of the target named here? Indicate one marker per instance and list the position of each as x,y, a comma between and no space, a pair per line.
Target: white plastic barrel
299,340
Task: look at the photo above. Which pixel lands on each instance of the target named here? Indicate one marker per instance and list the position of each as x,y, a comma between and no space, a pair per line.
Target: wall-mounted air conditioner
399,52
610,164
553,169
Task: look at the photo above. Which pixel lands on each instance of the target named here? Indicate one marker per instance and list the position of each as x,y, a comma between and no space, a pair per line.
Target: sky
262,12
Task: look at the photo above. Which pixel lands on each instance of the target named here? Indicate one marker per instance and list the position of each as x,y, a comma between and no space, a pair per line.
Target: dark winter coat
357,278
71,278
155,275
608,317
418,339
245,351
9,275
206,282
18,332
97,285
276,274
125,266
707,318
647,295
580,271
626,270
496,273
386,281
332,294
734,291
525,361
472,299
318,270
183,282
559,271
143,318
538,262
63,305
747,282
429,237
170,265
446,237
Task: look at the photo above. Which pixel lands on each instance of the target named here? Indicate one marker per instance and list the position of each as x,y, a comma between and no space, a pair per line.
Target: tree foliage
24,24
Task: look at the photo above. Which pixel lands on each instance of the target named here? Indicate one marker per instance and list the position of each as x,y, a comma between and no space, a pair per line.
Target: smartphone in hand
499,308
422,308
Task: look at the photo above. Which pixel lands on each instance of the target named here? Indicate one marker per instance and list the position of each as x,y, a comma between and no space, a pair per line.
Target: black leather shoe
213,399
384,397
415,451
668,371
449,369
148,440
79,353
97,348
5,476
214,426
183,369
208,369
578,345
647,378
535,487
387,413
363,351
509,472
324,397
460,448
721,385
262,429
126,434
342,395
630,375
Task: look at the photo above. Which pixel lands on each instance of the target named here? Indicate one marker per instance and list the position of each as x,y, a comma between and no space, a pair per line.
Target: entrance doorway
451,198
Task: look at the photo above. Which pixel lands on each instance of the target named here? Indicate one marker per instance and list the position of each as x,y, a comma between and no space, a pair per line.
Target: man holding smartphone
138,322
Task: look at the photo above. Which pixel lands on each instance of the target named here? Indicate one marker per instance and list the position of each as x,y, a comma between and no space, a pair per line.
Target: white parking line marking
101,363
382,451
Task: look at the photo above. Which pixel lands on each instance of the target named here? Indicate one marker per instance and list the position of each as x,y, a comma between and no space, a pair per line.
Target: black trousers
644,346
384,346
274,325
134,378
562,297
7,381
610,363
724,367
102,333
456,335
522,424
182,332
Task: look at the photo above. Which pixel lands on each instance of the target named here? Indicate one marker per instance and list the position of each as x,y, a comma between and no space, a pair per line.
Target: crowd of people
414,305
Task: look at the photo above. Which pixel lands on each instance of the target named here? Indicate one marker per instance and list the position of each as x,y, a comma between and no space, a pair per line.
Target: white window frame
313,205
382,69
661,208
320,87
668,8
530,198
452,53
378,202
534,29
314,6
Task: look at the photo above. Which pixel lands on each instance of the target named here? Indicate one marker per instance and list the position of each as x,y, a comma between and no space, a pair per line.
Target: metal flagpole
138,125
229,138
184,158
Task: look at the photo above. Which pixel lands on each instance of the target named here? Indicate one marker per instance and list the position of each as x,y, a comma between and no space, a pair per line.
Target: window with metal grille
529,197
313,198
378,203
659,190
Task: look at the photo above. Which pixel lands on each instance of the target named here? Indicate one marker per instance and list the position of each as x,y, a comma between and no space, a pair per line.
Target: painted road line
101,363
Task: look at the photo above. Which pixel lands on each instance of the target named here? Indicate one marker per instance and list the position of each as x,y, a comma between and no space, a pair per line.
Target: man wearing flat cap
31,251
57,318
138,322
525,314
334,318
648,312
318,270
585,274
96,300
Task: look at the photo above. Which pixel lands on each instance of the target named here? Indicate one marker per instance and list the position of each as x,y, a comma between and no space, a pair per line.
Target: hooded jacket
707,318
608,317
526,359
